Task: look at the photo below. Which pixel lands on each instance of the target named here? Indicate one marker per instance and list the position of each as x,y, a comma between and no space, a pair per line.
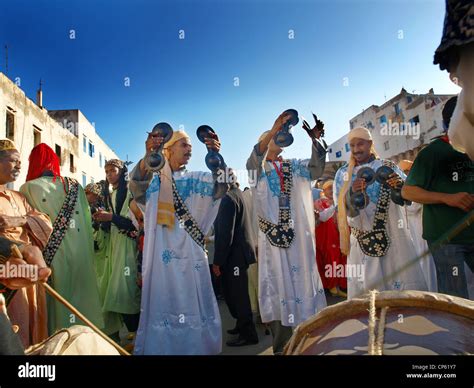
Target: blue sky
190,81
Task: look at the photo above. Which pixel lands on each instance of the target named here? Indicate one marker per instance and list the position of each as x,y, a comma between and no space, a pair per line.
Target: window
397,108
383,120
338,154
409,99
36,135
347,147
386,145
84,144
100,159
72,168
330,150
91,149
84,179
10,126
415,120
58,152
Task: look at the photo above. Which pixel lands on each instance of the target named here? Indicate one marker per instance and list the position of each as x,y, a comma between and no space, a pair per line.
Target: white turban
359,133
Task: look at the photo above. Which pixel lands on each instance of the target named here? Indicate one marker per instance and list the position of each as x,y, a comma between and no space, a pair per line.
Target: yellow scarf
166,211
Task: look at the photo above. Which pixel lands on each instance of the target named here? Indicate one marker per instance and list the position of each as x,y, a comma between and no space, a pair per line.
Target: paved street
264,347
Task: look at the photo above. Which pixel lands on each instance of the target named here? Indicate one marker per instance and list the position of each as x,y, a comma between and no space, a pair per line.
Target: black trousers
131,321
236,295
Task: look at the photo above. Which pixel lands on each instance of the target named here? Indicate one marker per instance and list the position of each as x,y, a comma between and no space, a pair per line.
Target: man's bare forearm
419,195
263,145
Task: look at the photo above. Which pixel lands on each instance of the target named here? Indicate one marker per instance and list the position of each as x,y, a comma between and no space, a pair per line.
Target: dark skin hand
213,142
394,182
358,185
217,270
318,130
102,216
153,142
32,256
463,201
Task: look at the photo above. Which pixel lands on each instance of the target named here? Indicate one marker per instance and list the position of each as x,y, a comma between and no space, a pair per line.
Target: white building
81,151
339,150
400,127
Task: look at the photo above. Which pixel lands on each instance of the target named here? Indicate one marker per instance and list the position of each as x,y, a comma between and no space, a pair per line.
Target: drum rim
424,299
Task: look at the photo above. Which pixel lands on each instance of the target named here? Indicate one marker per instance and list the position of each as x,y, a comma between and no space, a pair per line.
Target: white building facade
81,151
400,127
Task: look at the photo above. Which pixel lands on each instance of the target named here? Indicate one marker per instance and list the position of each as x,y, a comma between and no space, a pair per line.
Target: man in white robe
290,289
179,312
391,270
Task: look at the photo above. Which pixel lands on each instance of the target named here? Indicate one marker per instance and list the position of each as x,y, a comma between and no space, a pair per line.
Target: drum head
415,323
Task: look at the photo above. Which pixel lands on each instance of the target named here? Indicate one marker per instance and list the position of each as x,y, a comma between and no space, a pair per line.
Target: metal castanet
214,160
284,138
360,199
382,175
155,160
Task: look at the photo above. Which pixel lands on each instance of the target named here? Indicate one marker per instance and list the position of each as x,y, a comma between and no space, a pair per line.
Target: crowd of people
131,252
149,252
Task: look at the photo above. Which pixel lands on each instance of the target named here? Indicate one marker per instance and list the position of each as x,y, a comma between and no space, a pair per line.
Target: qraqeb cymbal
204,132
367,174
284,138
214,160
156,160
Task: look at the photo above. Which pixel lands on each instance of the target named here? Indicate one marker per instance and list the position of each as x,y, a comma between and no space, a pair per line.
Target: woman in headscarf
70,251
119,289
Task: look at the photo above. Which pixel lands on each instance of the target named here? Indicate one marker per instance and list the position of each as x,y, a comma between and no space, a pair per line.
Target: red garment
42,159
328,251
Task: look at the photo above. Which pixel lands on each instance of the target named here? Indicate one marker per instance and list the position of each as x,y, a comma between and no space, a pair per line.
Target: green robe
74,275
101,239
112,321
119,281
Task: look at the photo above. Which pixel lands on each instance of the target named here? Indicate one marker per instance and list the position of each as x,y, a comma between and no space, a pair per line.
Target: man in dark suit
234,252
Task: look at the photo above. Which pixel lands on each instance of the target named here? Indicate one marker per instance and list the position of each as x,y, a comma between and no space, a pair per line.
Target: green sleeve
423,169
